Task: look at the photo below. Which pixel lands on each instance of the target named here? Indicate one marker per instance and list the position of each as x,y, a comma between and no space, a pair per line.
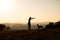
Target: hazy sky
16,11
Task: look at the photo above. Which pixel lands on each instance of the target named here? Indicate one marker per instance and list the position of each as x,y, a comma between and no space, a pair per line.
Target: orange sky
16,11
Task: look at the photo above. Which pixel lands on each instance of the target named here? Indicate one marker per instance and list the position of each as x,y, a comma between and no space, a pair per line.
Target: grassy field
44,34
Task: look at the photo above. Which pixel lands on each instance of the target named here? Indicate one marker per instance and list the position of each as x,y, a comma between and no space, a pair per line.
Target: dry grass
45,34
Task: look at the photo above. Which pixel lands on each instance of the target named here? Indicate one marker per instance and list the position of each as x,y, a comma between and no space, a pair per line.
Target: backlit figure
29,23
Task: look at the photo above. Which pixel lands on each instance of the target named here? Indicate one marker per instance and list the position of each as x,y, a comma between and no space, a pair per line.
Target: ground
44,34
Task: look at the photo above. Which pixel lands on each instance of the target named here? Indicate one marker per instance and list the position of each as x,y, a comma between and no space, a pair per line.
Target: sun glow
5,5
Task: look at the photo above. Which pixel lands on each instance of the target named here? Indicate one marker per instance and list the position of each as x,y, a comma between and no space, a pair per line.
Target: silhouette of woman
29,23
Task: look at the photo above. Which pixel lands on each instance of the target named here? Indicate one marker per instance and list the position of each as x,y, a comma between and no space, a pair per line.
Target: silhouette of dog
39,26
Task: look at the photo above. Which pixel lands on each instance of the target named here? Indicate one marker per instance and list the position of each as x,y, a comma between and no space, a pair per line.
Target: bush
2,27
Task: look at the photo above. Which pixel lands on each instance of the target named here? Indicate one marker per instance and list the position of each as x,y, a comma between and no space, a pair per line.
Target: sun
5,5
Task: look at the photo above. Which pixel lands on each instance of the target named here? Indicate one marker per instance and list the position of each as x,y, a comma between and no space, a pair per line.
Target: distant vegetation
2,27
50,25
53,25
